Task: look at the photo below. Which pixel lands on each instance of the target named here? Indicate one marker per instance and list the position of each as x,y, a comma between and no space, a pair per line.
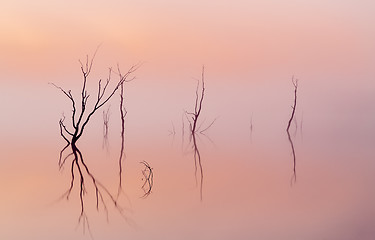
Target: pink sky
244,37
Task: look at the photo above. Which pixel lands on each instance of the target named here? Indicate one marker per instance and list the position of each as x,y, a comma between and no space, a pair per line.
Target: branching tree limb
79,170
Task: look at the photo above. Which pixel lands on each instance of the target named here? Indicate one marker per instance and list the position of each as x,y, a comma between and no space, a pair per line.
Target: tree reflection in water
80,171
194,130
294,176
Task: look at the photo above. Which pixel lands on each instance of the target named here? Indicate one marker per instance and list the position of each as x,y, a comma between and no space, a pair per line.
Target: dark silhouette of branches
80,118
295,84
148,178
198,105
194,130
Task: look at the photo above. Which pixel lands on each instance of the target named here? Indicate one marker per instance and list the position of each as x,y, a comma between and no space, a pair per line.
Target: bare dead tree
294,106
148,178
194,130
106,115
80,118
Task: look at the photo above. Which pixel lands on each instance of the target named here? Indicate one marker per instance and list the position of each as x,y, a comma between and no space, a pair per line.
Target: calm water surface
248,191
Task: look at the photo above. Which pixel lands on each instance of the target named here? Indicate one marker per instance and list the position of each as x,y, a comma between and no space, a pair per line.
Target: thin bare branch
99,103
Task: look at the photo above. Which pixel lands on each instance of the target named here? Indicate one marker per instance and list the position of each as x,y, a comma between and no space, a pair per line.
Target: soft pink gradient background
250,50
